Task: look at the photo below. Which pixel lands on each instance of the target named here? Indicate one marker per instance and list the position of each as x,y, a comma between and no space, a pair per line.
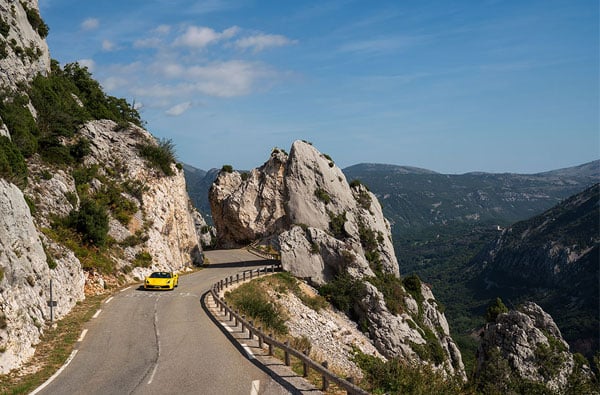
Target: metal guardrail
321,368
263,254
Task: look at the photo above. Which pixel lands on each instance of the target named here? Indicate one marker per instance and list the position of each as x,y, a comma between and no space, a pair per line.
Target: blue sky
450,86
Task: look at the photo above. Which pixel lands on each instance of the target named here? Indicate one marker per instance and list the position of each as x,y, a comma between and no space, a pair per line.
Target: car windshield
160,275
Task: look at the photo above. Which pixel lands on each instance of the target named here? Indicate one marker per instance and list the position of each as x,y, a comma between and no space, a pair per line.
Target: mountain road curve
163,342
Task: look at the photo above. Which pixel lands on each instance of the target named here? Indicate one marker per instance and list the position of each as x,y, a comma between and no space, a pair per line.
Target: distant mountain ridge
414,198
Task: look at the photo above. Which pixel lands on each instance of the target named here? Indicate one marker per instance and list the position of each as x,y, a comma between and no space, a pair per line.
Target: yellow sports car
161,280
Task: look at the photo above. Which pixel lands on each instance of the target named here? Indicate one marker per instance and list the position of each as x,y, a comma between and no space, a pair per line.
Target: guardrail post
270,345
287,354
236,318
304,365
221,286
237,278
325,379
250,335
250,274
243,325
244,275
260,337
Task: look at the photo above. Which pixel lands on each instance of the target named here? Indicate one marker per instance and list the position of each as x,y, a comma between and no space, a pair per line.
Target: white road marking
55,375
108,300
97,313
125,289
248,351
82,335
255,387
157,342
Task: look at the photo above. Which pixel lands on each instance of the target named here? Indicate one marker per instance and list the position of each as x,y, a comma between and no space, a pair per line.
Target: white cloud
179,109
226,79
200,37
148,43
262,41
90,24
108,45
89,63
162,29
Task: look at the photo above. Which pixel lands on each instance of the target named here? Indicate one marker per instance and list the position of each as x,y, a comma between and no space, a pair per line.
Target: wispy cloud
382,44
179,109
260,42
108,45
200,36
90,24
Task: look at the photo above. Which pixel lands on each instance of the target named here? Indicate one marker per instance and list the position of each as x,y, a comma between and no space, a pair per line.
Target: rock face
527,344
164,208
552,259
28,54
151,225
302,205
25,280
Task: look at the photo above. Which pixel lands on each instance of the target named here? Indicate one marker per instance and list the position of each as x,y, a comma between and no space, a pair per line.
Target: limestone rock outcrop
151,223
324,227
26,49
527,345
25,276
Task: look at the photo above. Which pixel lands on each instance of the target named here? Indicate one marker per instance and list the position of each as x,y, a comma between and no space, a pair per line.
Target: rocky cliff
523,350
23,49
85,202
334,234
551,259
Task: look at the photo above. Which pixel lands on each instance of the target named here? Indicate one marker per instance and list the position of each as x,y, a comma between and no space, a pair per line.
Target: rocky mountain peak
333,233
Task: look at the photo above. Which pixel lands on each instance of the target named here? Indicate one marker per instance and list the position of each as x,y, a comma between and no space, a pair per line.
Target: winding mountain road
163,342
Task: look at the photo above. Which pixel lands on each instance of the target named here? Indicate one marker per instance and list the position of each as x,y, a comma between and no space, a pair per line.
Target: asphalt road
163,342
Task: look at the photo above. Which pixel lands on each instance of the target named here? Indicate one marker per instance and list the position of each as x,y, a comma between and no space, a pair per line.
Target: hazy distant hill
198,183
551,259
414,198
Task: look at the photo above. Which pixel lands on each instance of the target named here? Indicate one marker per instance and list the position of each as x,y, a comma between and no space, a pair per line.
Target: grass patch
53,350
399,377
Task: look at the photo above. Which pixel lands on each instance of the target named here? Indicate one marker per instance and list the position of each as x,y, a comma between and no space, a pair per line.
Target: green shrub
36,21
322,195
431,350
397,376
3,322
80,149
20,123
391,288
412,284
161,156
227,168
12,163
494,309
344,292
4,27
91,221
143,259
336,225
253,301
